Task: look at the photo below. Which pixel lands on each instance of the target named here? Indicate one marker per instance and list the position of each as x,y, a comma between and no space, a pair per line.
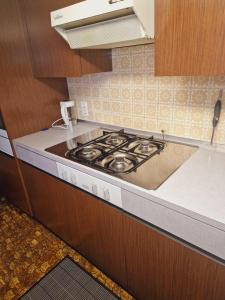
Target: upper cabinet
50,54
190,37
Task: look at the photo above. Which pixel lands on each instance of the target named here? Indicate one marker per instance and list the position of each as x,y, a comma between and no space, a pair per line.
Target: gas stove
116,152
144,161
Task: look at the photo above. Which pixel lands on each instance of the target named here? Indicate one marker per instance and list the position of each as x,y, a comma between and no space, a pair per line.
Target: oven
5,145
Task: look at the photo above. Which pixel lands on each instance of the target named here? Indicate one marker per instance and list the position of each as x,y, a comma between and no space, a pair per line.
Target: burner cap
115,139
88,153
122,162
146,147
143,146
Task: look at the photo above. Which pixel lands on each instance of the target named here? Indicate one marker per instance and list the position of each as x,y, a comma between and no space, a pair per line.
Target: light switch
84,108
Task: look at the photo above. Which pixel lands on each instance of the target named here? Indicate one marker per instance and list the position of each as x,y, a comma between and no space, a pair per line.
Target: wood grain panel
51,55
190,37
100,229
27,104
10,183
89,225
54,206
160,268
150,264
32,105
95,61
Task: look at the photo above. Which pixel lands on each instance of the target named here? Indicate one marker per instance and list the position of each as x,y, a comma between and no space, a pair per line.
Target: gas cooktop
144,161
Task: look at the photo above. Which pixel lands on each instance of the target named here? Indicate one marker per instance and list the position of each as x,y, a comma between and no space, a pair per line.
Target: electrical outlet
84,108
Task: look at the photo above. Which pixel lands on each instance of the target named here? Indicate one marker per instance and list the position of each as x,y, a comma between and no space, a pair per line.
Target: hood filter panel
108,34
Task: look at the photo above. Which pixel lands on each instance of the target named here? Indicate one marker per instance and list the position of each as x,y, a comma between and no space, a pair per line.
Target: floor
28,251
68,281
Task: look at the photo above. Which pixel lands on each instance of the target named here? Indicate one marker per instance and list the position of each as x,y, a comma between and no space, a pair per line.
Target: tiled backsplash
131,96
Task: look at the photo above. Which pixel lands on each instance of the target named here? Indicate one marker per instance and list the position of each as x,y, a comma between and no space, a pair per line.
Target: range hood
105,24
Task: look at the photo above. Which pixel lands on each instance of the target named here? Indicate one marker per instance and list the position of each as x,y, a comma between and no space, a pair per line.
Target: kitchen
115,159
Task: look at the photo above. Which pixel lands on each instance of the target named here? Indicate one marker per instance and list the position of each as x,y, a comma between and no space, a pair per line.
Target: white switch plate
84,108
93,185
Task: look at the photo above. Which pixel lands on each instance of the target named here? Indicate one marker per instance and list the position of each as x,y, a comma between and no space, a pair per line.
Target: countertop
196,189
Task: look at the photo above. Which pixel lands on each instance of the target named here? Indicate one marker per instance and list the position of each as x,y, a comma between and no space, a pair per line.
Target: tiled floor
28,251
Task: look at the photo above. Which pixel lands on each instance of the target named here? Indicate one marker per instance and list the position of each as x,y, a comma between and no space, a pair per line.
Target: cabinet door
86,223
100,228
160,268
190,37
51,55
24,98
52,203
10,183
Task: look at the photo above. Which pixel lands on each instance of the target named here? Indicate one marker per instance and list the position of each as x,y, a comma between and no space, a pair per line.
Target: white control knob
85,187
106,194
64,175
94,189
73,179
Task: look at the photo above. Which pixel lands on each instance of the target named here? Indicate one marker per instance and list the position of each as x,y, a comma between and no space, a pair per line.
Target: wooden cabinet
51,55
10,183
190,37
24,98
51,202
87,224
100,229
160,268
149,264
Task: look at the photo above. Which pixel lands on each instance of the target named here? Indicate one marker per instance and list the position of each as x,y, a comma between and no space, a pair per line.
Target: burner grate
106,156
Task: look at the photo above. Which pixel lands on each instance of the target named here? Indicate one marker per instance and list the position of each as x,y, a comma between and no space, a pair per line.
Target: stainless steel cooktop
143,161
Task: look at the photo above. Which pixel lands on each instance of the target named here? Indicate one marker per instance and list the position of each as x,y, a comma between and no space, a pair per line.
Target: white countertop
53,136
196,189
199,186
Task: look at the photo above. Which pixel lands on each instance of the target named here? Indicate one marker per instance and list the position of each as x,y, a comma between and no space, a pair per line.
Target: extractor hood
105,24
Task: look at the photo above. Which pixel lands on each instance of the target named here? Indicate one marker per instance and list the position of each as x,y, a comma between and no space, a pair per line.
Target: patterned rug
28,251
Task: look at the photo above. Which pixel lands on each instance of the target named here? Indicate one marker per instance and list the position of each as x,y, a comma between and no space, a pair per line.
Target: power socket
84,108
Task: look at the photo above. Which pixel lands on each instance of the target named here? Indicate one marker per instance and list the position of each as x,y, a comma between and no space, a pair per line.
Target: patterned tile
182,105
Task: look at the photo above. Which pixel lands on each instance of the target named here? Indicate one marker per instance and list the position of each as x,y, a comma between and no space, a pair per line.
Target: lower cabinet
10,183
101,241
86,223
161,268
52,203
149,264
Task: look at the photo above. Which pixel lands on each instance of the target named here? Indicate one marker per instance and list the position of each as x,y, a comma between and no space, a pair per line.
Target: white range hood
105,24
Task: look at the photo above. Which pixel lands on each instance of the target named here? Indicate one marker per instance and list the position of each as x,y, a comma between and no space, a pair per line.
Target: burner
115,139
88,153
116,152
146,147
120,162
144,161
142,146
